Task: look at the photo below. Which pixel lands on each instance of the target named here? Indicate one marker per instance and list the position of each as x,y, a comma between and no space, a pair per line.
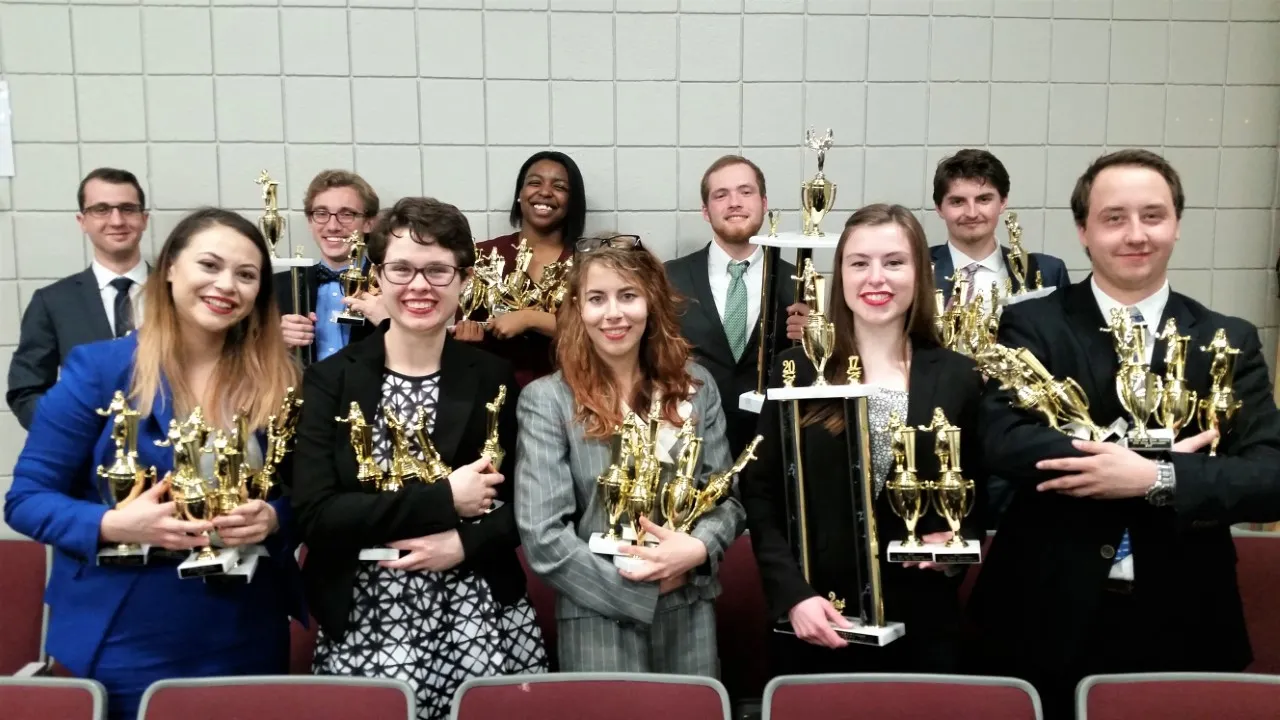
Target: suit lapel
1089,328
457,398
922,384
699,280
943,268
91,298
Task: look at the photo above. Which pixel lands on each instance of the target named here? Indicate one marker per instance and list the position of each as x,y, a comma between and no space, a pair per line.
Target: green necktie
735,309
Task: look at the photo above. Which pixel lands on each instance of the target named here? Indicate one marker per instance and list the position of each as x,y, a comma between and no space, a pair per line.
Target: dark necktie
123,306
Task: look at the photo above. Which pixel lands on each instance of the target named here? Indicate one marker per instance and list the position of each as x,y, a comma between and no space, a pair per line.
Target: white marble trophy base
222,561
241,574
820,392
278,263
1028,295
858,633
970,554
382,553
752,402
135,556
798,241
601,545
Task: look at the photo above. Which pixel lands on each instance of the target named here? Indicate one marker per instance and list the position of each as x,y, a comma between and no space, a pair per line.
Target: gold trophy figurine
272,222
367,470
492,449
819,336
1221,405
952,495
680,495
354,280
818,194
644,487
613,485
1138,389
281,429
433,466
719,485
125,479
1062,403
908,496
773,223
405,467
1178,402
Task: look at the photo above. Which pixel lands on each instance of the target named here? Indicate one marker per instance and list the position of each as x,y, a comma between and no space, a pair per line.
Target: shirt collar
993,262
137,273
1151,307
718,260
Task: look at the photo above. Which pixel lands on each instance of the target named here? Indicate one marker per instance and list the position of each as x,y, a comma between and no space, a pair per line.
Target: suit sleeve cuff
706,573
85,539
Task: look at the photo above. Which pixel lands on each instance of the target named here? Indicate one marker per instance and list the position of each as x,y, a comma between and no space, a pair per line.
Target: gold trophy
908,496
368,471
818,194
483,290
644,487
354,279
492,449
272,222
1221,404
281,429
125,479
1062,403
517,287
680,495
953,496
819,337
630,486
1019,261
719,485
1139,389
433,466
405,467
1178,402
773,222
613,487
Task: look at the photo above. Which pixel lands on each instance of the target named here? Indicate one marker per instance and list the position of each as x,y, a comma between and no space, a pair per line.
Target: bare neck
200,352
414,354
737,251
626,373
883,350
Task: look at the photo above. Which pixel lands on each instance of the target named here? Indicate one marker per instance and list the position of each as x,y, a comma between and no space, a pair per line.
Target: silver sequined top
879,405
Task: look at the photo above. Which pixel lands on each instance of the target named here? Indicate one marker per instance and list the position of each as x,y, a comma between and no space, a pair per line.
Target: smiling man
98,303
970,193
1108,561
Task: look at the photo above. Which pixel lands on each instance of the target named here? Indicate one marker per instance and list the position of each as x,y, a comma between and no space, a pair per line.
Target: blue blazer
55,499
1052,270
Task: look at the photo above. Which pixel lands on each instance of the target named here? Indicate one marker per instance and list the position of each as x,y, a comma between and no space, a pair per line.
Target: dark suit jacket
59,317
337,517
927,601
1052,270
309,288
700,325
1043,579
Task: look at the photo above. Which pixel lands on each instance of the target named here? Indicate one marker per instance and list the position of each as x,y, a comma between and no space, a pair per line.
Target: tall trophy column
272,225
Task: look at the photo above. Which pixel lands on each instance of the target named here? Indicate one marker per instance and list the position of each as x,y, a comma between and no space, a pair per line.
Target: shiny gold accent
272,222
433,467
492,448
680,495
1061,402
367,470
837,603
953,495
819,335
354,279
720,485
853,375
1178,403
405,467
282,427
1221,405
1138,388
788,373
907,495
773,223
125,479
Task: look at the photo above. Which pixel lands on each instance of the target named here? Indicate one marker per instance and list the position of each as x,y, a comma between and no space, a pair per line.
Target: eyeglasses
345,217
101,210
620,242
402,273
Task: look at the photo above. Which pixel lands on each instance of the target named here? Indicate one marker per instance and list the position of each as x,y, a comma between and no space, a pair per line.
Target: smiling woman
549,210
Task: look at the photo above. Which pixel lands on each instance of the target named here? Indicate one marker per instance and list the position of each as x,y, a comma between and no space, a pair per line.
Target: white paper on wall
6,132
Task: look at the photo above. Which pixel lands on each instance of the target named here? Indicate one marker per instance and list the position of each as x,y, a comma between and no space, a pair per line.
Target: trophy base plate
936,553
859,633
241,574
797,240
821,392
1028,295
382,553
752,402
161,553
278,263
223,560
602,545
350,319
114,556
1157,442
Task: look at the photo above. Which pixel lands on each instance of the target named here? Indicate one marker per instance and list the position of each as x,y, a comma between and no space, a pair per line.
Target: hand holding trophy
125,479
355,279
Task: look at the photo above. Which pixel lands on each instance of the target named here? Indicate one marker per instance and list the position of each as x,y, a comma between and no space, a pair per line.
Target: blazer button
1108,552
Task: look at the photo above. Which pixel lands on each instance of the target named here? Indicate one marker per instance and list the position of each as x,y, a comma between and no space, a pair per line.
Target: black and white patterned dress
433,630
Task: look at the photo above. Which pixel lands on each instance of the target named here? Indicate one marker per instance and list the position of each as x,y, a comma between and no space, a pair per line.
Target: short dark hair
113,176
724,162
430,222
1129,158
969,164
575,216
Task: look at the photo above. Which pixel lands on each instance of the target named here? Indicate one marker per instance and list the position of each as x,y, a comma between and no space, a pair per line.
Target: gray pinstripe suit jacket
558,507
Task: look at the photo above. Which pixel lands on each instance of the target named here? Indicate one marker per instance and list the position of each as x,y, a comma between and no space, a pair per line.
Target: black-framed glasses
101,210
402,273
345,217
620,242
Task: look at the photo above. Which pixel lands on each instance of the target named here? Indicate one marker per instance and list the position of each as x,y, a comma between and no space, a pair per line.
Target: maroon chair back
742,623
1179,696
543,599
1258,556
591,696
278,697
43,698
22,600
954,697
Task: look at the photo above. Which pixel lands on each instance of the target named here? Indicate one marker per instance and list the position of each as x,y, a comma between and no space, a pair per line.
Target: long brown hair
664,353
255,368
919,323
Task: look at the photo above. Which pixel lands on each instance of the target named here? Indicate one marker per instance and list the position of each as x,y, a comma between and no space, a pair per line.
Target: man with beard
721,283
970,192
98,303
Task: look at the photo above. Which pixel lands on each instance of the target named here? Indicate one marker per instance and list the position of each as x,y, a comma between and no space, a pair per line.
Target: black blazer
310,288
1042,582
337,517
1052,270
59,317
700,325
926,601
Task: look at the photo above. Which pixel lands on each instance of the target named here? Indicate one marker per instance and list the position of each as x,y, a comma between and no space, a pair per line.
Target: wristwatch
1161,491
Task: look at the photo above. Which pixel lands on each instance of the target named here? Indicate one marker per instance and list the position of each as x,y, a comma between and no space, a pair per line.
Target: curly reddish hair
664,353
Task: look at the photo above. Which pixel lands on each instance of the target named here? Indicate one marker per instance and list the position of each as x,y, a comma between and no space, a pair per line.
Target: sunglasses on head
621,242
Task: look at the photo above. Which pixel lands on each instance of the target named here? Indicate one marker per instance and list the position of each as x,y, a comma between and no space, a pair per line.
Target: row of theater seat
577,696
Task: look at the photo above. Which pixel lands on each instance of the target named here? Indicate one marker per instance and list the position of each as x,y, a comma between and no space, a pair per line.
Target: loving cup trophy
952,495
356,279
817,194
125,479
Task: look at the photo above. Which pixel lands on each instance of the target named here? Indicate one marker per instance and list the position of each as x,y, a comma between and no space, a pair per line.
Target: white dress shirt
1152,307
718,274
138,274
991,269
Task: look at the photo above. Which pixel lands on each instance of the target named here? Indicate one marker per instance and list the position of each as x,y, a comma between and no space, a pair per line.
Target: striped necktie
735,308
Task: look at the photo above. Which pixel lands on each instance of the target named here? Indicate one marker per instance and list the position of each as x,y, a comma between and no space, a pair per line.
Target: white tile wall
448,97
